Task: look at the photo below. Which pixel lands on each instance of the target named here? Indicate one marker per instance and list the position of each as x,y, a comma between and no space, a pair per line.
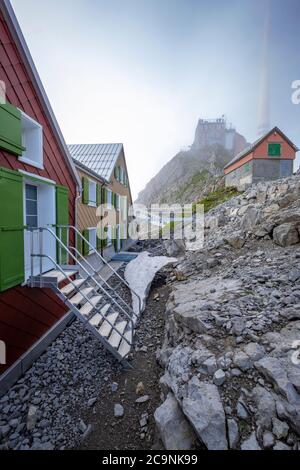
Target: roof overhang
20,42
89,172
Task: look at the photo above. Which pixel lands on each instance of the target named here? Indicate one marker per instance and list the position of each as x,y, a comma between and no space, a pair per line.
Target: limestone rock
280,428
203,407
236,240
286,235
118,411
32,417
219,377
242,360
233,433
175,431
175,247
250,443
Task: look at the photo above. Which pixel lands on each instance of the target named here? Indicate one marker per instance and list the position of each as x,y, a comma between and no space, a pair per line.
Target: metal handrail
42,229
83,295
93,250
97,273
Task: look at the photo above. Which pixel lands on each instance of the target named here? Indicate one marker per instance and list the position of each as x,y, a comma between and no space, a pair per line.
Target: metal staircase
79,284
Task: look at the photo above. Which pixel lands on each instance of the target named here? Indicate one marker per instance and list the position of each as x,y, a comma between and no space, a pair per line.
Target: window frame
109,196
33,147
93,231
92,189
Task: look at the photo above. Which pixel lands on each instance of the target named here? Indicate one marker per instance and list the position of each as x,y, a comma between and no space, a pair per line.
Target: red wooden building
38,186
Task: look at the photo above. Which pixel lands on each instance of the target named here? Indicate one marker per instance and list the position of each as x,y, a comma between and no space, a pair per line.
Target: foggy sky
143,72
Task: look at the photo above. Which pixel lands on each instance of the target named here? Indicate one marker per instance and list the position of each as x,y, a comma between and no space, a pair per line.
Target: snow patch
139,274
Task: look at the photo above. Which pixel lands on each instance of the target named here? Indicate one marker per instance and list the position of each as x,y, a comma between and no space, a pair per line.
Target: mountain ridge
190,173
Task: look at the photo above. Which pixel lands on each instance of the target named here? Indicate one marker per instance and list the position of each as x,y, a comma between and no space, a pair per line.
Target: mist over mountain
192,173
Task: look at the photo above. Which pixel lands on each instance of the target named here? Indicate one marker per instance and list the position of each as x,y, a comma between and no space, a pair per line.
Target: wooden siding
86,215
26,314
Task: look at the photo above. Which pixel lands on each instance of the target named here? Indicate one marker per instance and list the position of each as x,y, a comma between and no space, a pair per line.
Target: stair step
115,337
78,298
69,288
96,320
124,347
88,307
56,274
106,328
105,309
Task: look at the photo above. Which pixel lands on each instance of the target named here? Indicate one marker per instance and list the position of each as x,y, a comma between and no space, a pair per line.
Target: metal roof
251,147
99,158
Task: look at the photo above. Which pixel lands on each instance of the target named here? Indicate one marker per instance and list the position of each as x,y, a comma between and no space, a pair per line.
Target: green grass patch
217,197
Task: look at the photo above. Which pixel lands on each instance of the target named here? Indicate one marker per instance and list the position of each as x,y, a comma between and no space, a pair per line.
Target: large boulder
174,430
275,371
286,234
203,408
236,240
288,216
175,247
250,219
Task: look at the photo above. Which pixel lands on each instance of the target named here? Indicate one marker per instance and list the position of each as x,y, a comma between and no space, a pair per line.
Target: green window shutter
11,229
79,243
98,242
62,218
85,190
113,236
11,129
116,172
104,196
86,248
98,200
274,150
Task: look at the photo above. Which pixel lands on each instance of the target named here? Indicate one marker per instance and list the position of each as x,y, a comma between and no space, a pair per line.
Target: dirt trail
110,433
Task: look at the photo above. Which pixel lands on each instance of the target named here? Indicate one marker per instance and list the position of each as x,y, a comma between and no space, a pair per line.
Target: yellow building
102,169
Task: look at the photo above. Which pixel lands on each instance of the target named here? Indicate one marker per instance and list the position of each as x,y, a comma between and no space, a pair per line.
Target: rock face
193,173
174,429
231,351
204,409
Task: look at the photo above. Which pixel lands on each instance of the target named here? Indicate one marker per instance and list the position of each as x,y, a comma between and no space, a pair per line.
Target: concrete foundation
259,170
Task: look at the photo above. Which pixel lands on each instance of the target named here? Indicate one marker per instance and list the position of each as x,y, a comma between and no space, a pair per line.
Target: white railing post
31,254
41,248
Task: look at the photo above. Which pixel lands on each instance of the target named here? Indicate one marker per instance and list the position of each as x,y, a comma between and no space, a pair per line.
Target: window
93,237
92,193
32,140
274,150
109,197
31,206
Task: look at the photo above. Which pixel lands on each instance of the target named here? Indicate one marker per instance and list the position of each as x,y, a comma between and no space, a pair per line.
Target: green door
11,229
62,218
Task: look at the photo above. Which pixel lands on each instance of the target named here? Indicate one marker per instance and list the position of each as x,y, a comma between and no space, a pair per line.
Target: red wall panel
26,314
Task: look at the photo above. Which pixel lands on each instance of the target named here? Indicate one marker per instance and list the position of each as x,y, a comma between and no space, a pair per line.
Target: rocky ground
231,351
224,326
77,396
